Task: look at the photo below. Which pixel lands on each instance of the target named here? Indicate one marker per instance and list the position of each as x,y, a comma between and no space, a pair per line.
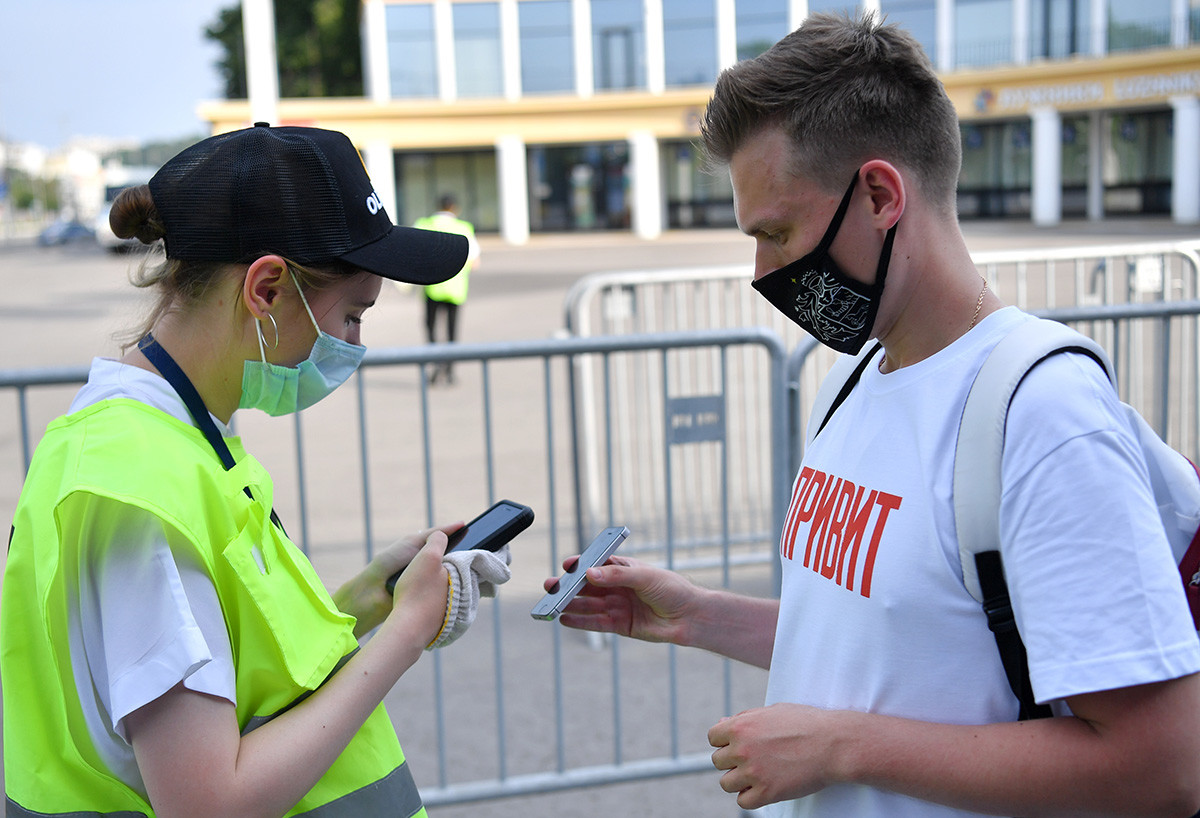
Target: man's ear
885,185
265,280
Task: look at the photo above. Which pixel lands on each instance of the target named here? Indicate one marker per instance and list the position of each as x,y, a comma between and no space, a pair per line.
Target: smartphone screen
489,531
493,528
570,583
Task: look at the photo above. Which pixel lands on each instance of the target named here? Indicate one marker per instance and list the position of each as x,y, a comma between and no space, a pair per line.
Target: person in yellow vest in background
165,648
447,296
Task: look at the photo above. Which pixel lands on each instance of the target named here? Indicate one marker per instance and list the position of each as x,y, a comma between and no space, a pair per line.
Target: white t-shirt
144,618
874,615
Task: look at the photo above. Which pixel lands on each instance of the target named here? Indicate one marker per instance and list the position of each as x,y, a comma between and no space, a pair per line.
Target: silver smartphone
570,583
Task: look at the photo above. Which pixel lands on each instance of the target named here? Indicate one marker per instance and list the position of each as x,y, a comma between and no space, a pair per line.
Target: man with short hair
886,695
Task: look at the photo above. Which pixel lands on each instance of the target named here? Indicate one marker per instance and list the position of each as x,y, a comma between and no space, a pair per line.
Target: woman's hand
419,599
365,597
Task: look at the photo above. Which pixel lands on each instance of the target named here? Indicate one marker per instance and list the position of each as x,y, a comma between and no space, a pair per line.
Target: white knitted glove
473,574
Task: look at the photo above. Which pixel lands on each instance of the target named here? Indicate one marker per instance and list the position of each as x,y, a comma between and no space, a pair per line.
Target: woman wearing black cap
166,649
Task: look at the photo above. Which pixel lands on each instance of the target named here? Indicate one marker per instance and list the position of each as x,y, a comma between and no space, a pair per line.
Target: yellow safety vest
454,290
286,634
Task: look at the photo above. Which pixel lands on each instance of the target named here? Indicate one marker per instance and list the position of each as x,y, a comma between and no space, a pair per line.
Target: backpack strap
977,488
1003,625
980,444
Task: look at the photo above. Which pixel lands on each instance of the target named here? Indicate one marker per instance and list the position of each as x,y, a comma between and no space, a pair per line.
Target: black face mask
834,308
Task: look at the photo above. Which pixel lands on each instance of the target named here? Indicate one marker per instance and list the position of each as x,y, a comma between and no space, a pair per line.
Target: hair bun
134,215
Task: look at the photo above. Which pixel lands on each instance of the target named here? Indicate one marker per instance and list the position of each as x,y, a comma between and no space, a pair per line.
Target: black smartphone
570,583
489,531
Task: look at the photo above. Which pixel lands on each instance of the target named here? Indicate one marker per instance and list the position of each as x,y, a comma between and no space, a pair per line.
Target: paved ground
60,307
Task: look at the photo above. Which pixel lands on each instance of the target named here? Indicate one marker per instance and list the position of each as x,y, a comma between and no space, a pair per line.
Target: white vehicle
116,179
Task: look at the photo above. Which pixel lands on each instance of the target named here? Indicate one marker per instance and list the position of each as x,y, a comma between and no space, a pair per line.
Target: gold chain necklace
978,305
974,319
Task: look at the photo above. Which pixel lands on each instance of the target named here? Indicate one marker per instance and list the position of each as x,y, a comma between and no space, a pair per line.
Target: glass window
477,62
689,42
423,177
1075,159
696,196
982,32
1059,28
1134,24
547,50
1194,18
579,187
760,24
997,169
918,18
412,58
618,44
1075,130
1139,148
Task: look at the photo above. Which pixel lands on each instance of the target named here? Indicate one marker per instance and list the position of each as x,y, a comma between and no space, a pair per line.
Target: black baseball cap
302,193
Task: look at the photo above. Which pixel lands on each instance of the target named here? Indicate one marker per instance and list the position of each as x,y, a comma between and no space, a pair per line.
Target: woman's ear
885,185
265,280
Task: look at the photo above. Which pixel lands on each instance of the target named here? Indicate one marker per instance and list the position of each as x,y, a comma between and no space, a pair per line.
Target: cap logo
374,205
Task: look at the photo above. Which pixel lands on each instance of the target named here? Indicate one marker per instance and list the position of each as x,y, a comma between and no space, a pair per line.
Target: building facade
560,115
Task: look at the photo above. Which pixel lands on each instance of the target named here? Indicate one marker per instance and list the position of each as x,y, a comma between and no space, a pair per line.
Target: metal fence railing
720,297
688,437
1154,347
518,707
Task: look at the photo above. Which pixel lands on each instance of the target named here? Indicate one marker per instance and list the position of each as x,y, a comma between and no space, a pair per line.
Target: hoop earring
262,338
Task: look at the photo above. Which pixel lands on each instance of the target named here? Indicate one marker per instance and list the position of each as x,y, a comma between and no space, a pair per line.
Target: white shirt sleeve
147,618
1095,589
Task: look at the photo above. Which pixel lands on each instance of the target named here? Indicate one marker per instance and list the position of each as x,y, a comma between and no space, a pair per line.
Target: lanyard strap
182,385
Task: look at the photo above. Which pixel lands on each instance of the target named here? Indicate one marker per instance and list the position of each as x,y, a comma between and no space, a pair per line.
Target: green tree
318,47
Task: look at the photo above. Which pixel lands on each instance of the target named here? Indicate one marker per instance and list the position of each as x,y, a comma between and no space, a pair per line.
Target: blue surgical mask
281,390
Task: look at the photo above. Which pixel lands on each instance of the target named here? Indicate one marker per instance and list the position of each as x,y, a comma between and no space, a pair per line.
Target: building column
376,69
510,49
1047,166
1185,182
646,185
1097,145
655,53
726,34
443,47
513,184
262,73
380,161
944,25
797,11
1021,49
585,73
1098,22
1179,24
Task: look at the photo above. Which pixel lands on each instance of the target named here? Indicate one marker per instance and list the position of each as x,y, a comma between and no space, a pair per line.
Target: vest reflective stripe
393,795
15,810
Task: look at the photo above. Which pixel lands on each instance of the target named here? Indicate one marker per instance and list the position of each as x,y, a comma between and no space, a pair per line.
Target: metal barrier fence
518,706
1035,280
1155,350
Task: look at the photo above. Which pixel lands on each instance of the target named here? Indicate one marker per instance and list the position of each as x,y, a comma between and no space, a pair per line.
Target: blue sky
113,68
